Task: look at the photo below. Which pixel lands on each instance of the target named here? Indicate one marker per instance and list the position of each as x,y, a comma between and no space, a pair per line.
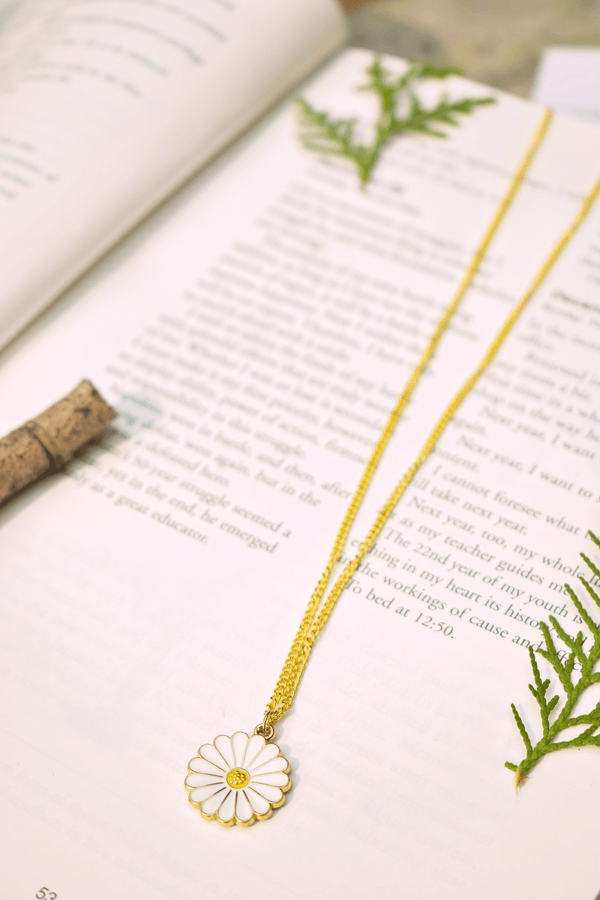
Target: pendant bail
266,729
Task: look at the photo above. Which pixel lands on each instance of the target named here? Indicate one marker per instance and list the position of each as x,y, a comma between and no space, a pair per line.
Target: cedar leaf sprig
573,685
400,111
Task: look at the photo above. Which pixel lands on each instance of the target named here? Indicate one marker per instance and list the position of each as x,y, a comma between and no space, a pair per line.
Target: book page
108,105
254,337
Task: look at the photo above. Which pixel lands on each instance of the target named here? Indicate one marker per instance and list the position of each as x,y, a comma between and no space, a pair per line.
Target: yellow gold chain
314,621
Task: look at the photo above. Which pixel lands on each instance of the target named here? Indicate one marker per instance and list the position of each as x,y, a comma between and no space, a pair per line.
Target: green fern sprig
400,111
573,686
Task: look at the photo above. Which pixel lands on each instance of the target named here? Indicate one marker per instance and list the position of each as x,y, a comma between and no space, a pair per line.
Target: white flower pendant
237,780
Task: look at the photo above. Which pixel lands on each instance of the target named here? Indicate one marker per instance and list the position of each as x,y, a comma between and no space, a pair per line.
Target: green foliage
400,111
556,713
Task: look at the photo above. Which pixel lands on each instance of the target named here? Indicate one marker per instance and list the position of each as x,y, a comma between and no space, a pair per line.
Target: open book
253,336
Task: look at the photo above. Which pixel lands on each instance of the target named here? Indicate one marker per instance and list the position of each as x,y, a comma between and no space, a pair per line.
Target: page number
45,893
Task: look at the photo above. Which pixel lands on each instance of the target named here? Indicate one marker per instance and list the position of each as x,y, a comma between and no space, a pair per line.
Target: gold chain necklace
242,778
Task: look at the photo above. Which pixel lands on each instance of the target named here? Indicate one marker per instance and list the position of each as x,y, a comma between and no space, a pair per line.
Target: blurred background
499,42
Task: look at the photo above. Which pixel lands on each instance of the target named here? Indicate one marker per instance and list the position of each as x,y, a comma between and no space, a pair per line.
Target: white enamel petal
272,765
206,768
267,753
239,742
198,779
213,803
223,745
210,753
272,794
227,808
277,779
200,794
243,810
258,803
255,745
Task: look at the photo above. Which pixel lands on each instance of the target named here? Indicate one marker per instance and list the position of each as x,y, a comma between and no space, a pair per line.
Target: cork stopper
49,442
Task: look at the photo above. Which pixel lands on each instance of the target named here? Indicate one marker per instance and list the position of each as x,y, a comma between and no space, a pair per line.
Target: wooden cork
49,442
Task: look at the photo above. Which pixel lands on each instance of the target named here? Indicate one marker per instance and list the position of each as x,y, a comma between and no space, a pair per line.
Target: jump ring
265,729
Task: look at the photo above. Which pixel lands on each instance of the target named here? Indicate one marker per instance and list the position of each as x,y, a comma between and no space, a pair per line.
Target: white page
130,641
108,105
568,80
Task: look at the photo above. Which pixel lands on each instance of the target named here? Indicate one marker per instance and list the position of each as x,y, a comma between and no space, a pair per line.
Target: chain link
314,620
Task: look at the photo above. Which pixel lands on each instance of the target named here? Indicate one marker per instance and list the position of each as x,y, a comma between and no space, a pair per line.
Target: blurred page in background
107,107
568,80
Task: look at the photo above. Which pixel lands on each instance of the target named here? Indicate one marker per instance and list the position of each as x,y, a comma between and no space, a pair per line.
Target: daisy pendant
237,780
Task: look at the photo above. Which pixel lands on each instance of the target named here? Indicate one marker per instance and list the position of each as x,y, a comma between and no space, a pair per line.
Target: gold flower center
237,778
